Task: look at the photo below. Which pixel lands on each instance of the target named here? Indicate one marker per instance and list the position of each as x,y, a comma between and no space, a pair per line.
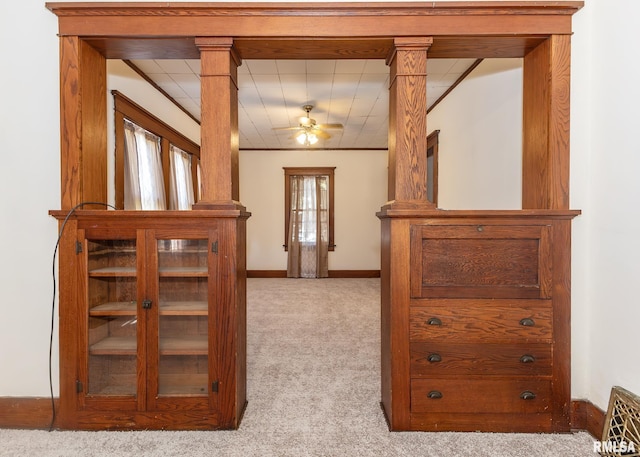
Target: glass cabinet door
183,317
112,317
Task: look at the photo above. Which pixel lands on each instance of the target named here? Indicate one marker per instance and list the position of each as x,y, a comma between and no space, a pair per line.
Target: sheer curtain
143,183
308,243
180,179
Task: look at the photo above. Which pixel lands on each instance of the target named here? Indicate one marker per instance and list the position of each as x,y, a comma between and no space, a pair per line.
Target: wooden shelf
112,272
114,345
117,345
184,384
200,272
190,345
127,308
184,308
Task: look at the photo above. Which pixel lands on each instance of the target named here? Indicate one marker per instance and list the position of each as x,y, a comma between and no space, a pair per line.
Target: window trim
308,171
432,150
125,108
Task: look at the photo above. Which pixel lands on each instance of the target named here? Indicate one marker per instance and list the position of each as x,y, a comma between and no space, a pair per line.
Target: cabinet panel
480,261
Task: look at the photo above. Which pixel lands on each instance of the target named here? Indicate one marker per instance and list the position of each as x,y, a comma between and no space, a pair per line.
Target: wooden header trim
313,8
329,20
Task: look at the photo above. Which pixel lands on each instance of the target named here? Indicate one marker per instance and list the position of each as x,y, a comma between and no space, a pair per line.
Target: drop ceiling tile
350,66
441,66
149,67
262,67
321,66
376,66
190,83
291,67
174,66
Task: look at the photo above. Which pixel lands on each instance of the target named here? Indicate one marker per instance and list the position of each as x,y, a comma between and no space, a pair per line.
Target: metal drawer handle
434,321
434,358
527,322
146,304
528,395
435,395
527,358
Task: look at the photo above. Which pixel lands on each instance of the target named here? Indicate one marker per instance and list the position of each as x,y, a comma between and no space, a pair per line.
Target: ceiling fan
308,131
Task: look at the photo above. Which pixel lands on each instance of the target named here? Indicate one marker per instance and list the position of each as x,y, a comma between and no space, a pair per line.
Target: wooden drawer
481,323
503,395
439,359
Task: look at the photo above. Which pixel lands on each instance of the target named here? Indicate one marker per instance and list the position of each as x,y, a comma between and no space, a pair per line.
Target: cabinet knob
146,304
434,321
435,395
434,358
527,358
527,322
528,395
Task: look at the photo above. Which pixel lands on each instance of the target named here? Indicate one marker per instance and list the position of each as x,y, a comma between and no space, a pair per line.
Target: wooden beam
545,165
83,118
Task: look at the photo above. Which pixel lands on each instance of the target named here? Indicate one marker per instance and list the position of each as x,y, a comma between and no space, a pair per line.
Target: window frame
308,171
432,151
126,108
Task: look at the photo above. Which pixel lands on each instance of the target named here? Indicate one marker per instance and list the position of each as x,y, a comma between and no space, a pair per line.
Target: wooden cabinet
478,335
146,324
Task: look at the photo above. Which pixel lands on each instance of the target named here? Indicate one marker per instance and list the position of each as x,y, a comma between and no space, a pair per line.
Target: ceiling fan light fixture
306,138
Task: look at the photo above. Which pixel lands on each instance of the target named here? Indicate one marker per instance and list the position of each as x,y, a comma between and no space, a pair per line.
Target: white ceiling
272,92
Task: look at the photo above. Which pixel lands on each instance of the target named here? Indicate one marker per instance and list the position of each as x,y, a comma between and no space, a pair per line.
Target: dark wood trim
266,273
26,412
332,273
309,171
144,76
432,151
455,84
587,416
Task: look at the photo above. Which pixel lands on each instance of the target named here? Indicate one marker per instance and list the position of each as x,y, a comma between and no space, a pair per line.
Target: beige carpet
313,387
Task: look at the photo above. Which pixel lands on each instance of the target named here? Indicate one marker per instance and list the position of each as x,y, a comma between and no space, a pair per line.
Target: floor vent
621,434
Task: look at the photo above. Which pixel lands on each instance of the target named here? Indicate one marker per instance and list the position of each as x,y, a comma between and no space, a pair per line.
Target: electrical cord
53,303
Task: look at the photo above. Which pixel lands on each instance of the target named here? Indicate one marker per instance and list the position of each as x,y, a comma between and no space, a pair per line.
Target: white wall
480,140
612,186
360,191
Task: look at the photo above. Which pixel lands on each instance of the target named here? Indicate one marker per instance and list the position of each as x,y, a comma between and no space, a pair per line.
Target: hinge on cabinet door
214,247
214,386
78,247
78,386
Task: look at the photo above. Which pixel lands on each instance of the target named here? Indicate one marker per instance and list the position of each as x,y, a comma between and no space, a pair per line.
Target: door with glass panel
179,339
110,335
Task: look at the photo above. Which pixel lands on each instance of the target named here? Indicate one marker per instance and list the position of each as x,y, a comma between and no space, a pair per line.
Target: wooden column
408,122
83,123
545,161
219,123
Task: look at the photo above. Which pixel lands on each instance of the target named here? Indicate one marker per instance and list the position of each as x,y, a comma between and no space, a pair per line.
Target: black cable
53,304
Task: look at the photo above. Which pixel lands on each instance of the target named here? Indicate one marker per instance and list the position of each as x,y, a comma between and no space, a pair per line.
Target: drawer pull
528,395
527,322
435,395
434,358
527,358
434,321
146,304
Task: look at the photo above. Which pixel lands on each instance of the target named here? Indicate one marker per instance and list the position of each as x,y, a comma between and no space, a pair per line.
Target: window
156,166
307,180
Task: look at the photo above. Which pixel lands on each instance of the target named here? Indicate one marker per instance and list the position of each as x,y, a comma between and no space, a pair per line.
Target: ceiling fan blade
286,128
329,126
321,134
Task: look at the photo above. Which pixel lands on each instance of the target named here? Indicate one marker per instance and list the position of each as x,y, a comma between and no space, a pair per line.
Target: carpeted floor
313,388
